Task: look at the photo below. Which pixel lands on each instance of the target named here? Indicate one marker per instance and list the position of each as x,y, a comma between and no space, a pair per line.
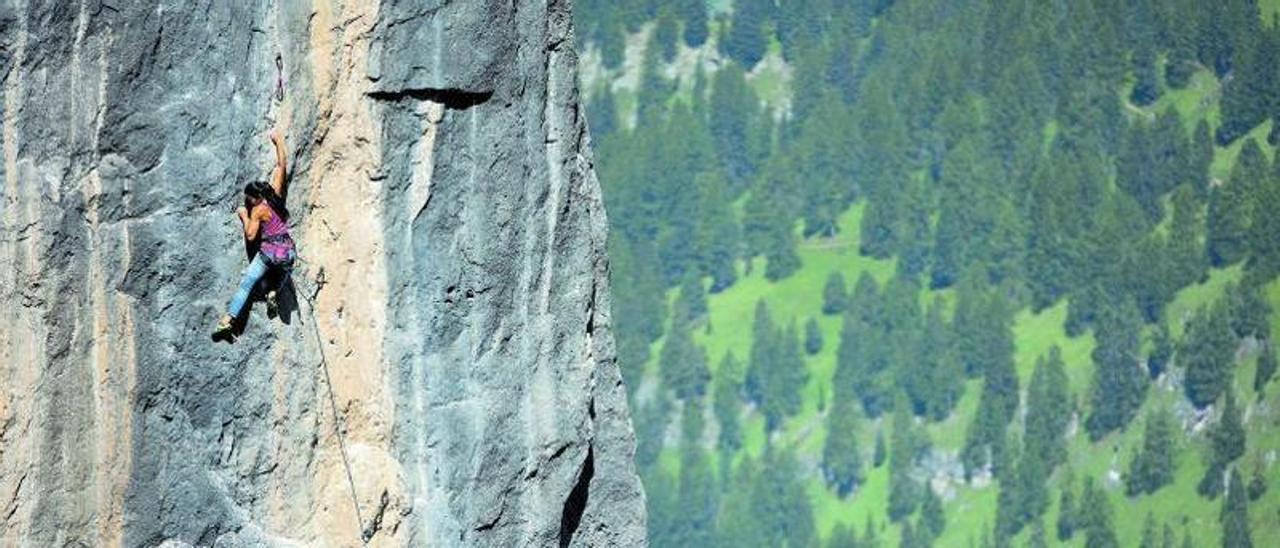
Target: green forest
919,273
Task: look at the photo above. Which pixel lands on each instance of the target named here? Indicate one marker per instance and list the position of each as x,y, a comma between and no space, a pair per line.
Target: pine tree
1202,153
1235,515
602,115
699,501
666,34
1037,539
1228,435
776,374
1095,517
1227,443
933,518
1264,228
1187,259
1148,533
1153,466
1230,209
1266,366
684,365
907,538
1161,351
718,236
662,498
650,423
1249,96
763,351
985,439
812,337
1248,309
904,491
691,303
863,357
844,536
746,39
727,405
1066,525
977,224
1049,410
841,460
881,451
734,122
940,383
1257,484
1207,354
779,503
1147,88
655,90
1119,385
696,30
834,294
613,43
699,494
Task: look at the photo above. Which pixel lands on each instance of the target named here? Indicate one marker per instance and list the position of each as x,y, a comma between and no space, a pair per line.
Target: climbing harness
365,534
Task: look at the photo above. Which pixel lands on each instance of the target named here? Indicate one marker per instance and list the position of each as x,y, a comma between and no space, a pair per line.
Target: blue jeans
252,274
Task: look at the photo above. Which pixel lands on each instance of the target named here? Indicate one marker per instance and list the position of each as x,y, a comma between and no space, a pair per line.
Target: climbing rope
324,362
333,403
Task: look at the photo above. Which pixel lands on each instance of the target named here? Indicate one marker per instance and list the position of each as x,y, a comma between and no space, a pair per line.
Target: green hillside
1021,174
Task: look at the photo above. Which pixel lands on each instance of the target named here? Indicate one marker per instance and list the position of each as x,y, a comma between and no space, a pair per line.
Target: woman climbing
265,221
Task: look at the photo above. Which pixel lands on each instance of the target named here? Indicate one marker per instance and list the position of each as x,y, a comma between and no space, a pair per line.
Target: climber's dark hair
259,190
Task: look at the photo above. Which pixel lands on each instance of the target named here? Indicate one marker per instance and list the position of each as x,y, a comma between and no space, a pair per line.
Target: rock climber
264,219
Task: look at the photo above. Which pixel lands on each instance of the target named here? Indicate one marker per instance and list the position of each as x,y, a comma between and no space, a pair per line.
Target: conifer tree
734,121
1235,515
696,30
905,446
1153,466
1207,354
1149,539
881,451
834,294
1066,525
1096,517
1049,410
1226,444
933,518
841,460
718,237
1161,351
812,337
746,39
1266,366
666,34
1119,384
727,404
684,365
1230,208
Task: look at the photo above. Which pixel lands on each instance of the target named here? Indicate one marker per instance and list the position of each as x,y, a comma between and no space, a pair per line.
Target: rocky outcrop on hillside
447,376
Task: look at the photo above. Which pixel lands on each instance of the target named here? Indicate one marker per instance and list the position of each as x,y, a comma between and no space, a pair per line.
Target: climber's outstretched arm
277,174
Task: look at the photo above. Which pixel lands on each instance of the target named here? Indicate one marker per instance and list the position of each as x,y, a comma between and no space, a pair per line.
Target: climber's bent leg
284,268
254,272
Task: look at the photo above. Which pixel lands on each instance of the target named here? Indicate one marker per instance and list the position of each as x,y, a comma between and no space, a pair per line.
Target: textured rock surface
442,194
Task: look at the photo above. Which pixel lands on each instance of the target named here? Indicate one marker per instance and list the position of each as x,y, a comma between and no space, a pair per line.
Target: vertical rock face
448,376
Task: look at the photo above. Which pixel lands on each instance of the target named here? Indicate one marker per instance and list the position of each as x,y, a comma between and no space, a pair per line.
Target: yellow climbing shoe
224,329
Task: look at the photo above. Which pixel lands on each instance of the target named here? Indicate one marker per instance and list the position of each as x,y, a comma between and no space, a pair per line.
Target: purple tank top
276,241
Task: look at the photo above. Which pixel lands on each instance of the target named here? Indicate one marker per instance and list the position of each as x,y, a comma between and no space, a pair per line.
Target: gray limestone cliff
460,363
